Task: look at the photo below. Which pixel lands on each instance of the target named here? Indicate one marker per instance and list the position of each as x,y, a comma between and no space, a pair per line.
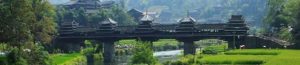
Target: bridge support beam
108,52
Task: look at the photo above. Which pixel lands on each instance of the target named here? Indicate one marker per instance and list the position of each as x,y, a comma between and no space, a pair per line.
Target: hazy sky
58,1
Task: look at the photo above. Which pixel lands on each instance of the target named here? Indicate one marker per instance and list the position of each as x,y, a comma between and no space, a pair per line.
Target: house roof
108,21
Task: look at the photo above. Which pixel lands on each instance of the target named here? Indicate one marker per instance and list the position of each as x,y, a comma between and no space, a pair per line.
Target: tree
27,20
16,21
283,14
274,9
43,28
143,54
292,9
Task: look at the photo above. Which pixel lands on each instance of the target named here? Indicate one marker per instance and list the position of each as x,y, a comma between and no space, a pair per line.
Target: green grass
287,57
253,52
65,58
234,59
3,60
254,56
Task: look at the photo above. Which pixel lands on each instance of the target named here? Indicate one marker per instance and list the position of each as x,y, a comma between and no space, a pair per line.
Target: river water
162,56
171,55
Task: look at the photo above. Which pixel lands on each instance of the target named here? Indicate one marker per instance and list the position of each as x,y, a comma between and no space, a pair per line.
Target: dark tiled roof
237,17
135,11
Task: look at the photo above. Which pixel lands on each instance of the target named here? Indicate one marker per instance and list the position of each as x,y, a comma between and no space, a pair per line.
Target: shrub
98,59
88,51
80,60
69,59
210,50
143,54
167,63
15,58
215,49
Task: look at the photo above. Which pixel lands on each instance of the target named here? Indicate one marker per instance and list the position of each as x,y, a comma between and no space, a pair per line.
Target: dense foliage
283,20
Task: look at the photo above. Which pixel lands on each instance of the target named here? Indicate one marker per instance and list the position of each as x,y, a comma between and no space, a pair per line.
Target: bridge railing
171,27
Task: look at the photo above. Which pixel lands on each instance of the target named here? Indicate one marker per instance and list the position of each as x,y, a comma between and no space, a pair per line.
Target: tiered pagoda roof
187,19
147,17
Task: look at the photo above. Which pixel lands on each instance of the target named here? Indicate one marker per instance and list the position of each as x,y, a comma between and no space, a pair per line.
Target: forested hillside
207,11
204,10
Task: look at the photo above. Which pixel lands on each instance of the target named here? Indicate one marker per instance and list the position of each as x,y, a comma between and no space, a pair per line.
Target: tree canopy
27,21
24,26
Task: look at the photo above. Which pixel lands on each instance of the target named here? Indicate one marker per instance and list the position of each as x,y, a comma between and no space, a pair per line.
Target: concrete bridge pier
109,52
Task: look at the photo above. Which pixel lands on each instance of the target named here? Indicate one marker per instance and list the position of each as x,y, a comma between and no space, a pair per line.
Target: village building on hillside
90,6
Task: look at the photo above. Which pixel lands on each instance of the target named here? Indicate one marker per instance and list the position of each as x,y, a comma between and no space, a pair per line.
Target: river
162,56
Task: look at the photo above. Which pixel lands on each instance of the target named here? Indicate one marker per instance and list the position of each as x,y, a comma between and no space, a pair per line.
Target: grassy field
234,59
253,52
2,59
254,56
66,59
286,57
